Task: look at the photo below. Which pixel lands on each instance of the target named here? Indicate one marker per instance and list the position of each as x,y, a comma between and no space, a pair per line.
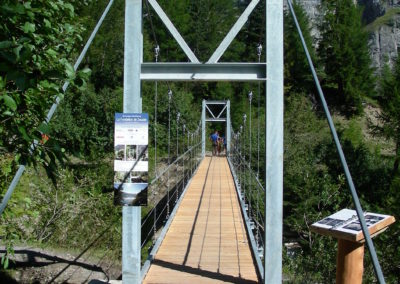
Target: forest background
66,194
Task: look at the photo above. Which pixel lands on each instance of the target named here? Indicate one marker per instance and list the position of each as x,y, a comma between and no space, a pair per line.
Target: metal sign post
274,143
131,216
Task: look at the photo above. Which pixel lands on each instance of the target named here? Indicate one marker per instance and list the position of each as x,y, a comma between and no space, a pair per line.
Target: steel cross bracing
135,71
225,107
210,71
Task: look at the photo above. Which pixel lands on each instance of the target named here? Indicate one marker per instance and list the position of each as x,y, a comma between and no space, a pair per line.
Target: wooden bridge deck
207,240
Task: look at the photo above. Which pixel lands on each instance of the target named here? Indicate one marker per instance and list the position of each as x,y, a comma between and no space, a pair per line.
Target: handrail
170,165
253,244
248,166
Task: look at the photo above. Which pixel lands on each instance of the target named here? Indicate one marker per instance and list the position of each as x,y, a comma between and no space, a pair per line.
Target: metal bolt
259,49
250,96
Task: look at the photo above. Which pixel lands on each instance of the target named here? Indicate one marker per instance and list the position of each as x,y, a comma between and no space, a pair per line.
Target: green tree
390,103
84,123
37,39
297,71
211,20
311,192
344,52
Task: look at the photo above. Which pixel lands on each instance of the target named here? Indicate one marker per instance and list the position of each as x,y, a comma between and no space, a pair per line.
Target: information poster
131,164
345,224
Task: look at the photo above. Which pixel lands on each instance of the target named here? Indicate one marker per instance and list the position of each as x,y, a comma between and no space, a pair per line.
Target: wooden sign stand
349,262
344,226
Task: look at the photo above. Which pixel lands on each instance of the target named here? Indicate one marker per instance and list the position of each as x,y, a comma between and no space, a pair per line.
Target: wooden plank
207,241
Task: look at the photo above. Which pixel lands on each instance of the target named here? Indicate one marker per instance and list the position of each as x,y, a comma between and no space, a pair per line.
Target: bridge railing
172,182
251,194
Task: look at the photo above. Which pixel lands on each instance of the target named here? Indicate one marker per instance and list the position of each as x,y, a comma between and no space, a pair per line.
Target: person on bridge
223,144
220,145
214,139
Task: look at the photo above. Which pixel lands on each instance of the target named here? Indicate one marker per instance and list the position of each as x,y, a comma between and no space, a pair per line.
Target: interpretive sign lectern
345,226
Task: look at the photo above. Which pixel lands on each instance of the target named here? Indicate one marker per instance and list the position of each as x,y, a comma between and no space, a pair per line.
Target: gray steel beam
274,143
233,32
210,112
215,119
219,115
203,72
217,102
131,216
170,26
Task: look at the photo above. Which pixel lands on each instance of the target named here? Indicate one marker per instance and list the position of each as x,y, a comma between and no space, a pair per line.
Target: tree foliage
297,71
344,52
390,102
37,39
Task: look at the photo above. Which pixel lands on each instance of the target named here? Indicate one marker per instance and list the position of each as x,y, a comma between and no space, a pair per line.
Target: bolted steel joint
157,51
259,49
250,95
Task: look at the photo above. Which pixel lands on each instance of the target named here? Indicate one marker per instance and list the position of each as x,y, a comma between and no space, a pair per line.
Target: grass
383,20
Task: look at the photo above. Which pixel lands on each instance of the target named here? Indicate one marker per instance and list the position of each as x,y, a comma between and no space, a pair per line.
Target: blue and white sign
131,161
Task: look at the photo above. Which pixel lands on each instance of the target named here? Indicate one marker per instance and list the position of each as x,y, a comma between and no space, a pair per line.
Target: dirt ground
34,265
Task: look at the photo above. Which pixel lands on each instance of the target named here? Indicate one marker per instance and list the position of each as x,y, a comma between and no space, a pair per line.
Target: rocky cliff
383,23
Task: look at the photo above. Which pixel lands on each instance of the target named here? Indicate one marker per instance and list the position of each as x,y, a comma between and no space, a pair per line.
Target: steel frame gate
135,71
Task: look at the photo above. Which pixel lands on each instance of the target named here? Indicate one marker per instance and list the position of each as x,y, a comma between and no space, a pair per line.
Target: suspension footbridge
220,222
207,240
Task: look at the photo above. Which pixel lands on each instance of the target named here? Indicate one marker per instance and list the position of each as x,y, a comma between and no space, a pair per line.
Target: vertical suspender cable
157,52
244,155
240,157
21,168
259,51
371,248
169,147
178,116
250,153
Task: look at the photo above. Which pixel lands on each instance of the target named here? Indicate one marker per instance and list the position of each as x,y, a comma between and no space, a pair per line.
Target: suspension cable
371,248
151,22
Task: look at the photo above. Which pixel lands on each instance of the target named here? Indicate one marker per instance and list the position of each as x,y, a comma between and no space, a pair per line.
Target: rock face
384,43
384,38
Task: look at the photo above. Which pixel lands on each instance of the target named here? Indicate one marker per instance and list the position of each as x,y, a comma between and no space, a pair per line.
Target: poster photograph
131,159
